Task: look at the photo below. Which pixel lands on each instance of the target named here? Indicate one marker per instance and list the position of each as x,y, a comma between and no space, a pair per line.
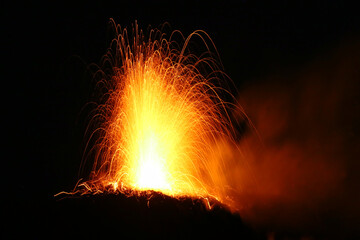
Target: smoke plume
303,156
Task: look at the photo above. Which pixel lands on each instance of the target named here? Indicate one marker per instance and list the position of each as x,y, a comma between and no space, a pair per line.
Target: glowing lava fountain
161,119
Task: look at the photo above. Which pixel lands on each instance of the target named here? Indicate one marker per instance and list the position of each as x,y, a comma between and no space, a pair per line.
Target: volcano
149,215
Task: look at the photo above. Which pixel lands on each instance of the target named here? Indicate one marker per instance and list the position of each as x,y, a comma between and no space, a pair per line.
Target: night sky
49,45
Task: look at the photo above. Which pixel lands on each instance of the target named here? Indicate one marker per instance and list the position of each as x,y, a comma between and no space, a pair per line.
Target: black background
48,46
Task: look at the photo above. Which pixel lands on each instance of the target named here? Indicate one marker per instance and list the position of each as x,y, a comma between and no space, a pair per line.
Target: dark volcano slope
151,215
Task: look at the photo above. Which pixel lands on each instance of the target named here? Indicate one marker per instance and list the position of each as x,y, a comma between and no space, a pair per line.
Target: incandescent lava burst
162,119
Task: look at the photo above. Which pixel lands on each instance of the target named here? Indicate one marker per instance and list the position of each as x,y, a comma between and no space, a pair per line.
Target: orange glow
161,121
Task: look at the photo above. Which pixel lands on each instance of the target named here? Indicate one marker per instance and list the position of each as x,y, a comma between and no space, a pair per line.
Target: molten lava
161,119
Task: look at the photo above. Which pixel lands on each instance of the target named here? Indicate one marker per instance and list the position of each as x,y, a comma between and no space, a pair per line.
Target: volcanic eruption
161,120
163,129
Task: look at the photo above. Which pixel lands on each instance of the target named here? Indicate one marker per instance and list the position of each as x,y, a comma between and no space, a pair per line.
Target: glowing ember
161,120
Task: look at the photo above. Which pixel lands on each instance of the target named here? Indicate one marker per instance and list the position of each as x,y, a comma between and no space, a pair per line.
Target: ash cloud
305,160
